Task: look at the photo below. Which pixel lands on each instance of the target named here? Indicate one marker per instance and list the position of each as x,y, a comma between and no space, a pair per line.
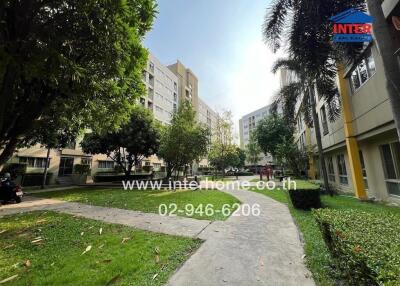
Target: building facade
167,87
248,124
370,115
162,90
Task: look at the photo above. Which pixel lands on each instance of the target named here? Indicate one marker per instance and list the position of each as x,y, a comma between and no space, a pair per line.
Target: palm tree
302,88
387,49
307,30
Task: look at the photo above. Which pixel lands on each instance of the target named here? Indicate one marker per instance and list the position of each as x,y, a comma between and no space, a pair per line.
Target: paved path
248,250
146,221
243,251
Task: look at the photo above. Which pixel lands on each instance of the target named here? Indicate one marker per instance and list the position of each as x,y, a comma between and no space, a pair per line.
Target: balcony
150,93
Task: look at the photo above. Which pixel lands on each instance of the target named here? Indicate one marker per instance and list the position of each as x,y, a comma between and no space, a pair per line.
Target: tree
291,157
53,133
386,45
271,131
223,152
136,140
241,162
312,54
81,58
184,141
253,150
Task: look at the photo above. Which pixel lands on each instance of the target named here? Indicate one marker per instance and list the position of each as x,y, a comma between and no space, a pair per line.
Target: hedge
15,169
82,169
365,246
35,179
119,178
305,199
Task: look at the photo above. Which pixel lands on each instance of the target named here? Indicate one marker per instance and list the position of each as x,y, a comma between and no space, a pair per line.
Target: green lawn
317,255
119,255
149,201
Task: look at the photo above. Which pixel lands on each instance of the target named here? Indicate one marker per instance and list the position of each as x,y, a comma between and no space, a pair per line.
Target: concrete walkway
248,250
242,251
171,225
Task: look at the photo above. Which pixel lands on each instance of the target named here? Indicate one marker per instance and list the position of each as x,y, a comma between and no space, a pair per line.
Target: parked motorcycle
9,191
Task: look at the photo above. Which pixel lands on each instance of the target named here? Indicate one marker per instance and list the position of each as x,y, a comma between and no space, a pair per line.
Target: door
66,166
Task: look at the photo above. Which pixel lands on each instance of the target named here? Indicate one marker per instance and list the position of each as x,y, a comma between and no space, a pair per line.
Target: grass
317,254
119,255
149,201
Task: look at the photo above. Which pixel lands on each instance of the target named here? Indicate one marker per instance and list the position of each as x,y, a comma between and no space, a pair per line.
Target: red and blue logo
352,26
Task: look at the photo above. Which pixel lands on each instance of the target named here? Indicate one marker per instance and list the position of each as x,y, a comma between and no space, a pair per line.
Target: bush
119,178
35,179
82,169
147,169
243,173
305,199
365,246
15,169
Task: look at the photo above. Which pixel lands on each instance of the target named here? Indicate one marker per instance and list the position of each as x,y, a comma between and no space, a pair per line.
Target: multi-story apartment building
247,124
162,90
367,110
187,84
166,88
206,114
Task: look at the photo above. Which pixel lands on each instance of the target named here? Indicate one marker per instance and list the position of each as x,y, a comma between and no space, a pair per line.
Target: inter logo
352,26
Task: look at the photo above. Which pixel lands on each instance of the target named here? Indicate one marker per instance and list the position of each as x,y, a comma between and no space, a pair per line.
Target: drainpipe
351,141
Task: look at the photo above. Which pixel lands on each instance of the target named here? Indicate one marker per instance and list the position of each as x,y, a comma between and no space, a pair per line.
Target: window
390,154
364,170
86,161
363,71
175,96
34,162
331,170
341,163
151,65
175,86
324,120
106,164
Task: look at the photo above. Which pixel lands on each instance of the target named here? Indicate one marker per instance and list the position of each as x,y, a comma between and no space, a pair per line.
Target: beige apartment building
373,127
166,87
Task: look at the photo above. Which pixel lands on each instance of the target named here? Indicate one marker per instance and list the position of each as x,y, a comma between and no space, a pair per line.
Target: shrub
243,173
147,169
82,169
120,178
15,169
35,179
305,199
365,246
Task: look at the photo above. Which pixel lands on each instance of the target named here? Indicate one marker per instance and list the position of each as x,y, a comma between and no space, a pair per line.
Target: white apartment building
206,115
247,124
162,90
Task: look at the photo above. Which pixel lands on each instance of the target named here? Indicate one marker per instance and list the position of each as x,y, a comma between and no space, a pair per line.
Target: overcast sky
221,42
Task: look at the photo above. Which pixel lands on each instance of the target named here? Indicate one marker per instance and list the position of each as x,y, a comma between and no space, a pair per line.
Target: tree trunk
319,140
46,168
8,151
386,46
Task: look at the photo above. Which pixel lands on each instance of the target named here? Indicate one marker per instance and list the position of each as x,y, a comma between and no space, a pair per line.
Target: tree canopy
136,140
83,59
223,152
184,141
272,131
253,150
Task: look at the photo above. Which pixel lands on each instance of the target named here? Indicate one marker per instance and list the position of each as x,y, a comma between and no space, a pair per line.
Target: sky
221,42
